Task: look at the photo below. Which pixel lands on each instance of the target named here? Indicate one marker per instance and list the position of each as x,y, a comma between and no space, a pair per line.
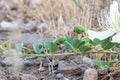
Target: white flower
113,29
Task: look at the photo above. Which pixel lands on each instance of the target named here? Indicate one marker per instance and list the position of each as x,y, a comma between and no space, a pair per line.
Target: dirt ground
48,18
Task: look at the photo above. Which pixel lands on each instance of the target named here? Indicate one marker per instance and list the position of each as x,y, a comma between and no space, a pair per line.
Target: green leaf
2,47
101,64
37,48
112,62
77,43
70,40
25,51
52,46
84,48
8,44
48,40
86,40
106,44
19,46
96,41
117,47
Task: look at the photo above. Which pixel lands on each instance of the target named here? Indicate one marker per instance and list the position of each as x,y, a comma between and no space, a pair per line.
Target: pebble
2,75
7,61
65,78
62,65
9,26
68,67
59,76
90,74
37,61
28,39
86,60
28,77
56,63
29,26
28,63
42,27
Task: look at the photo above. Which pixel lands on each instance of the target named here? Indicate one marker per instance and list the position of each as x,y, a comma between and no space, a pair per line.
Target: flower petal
116,38
100,35
114,16
113,8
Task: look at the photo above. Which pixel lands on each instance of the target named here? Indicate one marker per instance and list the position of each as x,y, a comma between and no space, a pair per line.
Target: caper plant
109,40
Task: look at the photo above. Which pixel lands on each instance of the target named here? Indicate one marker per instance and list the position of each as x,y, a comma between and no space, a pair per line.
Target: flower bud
79,29
62,39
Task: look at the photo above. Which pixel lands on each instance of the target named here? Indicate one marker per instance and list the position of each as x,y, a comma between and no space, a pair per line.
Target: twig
110,74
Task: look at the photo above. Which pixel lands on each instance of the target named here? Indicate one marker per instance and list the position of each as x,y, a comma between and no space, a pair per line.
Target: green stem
74,50
66,54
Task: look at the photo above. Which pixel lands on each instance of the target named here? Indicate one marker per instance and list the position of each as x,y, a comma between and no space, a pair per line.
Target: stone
86,60
65,67
42,27
29,39
38,61
27,63
28,77
7,61
9,26
2,75
65,78
59,76
90,74
29,26
62,65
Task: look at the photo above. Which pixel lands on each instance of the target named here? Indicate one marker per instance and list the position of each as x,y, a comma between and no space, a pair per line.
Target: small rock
37,61
28,39
28,63
56,63
90,74
42,27
86,60
2,75
65,78
28,77
9,26
68,68
77,60
59,76
7,61
29,27
63,65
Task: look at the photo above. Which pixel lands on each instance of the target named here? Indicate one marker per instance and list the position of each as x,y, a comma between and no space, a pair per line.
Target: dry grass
59,15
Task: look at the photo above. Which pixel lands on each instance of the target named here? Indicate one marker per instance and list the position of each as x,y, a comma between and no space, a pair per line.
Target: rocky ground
26,22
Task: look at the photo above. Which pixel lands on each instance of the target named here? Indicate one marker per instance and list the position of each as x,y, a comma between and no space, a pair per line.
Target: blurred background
54,17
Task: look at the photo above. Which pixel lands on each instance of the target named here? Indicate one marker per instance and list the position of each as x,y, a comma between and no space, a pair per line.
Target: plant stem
67,54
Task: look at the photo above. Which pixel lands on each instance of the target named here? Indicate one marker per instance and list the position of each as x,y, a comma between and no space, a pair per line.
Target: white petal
100,35
113,8
116,38
114,16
